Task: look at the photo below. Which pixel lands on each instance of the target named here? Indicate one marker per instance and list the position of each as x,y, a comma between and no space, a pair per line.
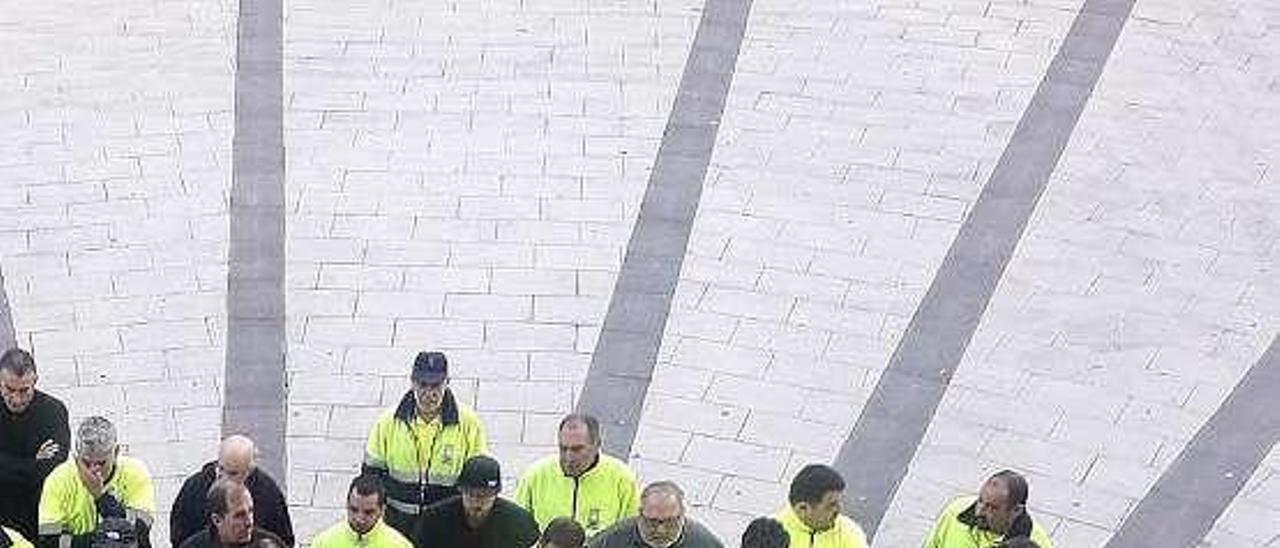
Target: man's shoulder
697,535
852,531
260,534
613,468
958,505
262,486
618,534
131,468
198,540
61,475
200,480
48,405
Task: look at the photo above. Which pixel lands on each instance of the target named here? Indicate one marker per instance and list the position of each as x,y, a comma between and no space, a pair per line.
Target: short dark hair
1015,484
368,484
17,361
813,482
564,533
1018,542
592,424
765,532
219,497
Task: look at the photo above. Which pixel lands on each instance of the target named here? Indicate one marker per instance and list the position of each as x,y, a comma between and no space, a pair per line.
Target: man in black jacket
34,438
478,517
230,520
235,463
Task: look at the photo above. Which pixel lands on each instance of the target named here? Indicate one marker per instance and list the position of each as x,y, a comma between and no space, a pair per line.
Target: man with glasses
477,517
418,448
236,463
661,523
98,484
34,438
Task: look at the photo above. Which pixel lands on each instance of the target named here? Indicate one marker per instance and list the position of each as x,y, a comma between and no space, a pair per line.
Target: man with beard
34,438
594,489
478,517
364,528
235,463
999,512
813,518
418,449
661,524
230,519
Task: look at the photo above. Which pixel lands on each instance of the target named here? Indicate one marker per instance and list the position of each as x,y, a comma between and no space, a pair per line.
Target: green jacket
601,496
950,532
844,534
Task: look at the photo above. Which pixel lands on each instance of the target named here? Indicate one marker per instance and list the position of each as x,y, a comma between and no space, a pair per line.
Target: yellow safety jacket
16,540
604,494
951,532
67,506
844,534
418,460
341,535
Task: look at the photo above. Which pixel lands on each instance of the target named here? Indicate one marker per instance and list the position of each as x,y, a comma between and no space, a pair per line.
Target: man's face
478,503
993,509
821,515
17,390
429,396
100,464
363,512
236,527
661,520
577,453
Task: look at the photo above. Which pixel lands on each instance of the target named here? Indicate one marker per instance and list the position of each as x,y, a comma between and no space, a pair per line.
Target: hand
48,449
93,480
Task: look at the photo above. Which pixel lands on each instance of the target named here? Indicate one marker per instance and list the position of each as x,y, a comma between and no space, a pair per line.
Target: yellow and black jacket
419,460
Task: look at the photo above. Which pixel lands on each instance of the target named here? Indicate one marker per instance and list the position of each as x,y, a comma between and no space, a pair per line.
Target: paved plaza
723,225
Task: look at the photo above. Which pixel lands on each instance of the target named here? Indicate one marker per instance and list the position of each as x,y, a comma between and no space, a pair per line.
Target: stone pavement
465,176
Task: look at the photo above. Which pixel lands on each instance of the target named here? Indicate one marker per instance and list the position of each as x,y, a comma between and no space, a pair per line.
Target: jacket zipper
575,499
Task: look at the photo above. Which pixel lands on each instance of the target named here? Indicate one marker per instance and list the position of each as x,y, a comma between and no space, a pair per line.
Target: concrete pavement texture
466,176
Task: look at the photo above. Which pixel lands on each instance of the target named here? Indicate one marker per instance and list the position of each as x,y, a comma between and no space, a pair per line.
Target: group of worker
427,481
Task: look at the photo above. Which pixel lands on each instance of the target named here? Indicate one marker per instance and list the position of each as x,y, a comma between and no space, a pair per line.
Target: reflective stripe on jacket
419,460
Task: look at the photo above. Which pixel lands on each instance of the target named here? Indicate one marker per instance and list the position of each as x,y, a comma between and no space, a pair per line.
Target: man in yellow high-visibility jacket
97,484
998,513
418,448
813,518
363,528
594,489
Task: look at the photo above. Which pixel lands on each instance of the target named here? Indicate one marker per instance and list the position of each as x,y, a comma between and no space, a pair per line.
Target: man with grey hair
661,524
99,483
236,462
35,439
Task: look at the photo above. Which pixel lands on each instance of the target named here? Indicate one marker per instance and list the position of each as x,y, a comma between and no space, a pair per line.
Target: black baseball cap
481,472
430,368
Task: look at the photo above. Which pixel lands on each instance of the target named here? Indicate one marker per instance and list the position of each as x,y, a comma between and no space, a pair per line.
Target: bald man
235,463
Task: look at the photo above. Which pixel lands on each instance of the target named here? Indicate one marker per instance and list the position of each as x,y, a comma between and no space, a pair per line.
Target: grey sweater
626,534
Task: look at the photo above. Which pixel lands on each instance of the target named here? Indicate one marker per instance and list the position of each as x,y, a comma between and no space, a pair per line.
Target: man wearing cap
418,448
477,517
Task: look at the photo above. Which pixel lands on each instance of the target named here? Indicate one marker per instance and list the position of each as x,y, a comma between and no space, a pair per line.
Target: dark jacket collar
408,408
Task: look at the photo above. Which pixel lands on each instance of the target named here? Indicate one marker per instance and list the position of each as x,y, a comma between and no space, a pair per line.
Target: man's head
17,379
479,484
96,445
430,378
236,458
816,496
765,533
1002,499
231,512
579,443
563,532
366,501
661,514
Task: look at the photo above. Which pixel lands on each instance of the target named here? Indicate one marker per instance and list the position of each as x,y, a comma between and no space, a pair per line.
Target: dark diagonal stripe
8,335
254,402
1211,470
628,345
875,457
